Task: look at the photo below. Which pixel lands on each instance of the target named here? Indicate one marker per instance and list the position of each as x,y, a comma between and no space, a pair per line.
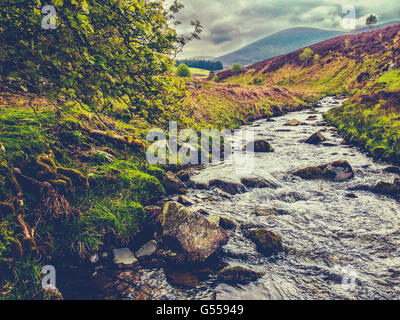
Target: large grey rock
172,183
190,232
338,171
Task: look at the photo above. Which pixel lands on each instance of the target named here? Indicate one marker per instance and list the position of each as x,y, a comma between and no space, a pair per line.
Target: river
340,244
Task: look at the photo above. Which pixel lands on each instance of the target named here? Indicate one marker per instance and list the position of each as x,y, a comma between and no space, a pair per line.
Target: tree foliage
236,68
183,70
306,54
100,52
202,64
371,20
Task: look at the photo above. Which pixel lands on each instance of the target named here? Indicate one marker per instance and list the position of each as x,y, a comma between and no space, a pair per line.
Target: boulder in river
252,183
388,189
190,232
267,242
316,138
292,123
172,183
310,173
337,171
238,275
228,186
260,146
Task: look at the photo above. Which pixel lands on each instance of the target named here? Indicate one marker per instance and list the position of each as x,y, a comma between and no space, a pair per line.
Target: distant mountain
284,42
376,27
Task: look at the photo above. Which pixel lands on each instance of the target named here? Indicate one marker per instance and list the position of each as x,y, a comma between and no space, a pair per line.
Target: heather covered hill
363,66
279,43
286,41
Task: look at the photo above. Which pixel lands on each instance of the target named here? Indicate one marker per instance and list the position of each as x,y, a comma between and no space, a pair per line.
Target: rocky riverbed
308,220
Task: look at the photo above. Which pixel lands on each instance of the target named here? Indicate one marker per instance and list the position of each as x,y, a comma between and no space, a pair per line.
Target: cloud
231,24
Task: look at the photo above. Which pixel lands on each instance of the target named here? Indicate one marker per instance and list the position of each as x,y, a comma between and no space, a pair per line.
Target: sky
232,24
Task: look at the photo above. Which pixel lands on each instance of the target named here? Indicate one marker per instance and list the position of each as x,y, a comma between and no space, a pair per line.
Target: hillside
279,43
284,42
364,66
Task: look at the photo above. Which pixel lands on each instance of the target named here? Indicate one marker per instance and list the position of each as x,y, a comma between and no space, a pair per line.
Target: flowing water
341,244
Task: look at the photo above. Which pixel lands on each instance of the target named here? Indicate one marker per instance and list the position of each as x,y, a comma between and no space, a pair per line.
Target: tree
306,54
183,71
371,20
236,68
102,51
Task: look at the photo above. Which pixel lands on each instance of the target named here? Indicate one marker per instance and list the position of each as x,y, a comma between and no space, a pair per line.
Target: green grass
199,73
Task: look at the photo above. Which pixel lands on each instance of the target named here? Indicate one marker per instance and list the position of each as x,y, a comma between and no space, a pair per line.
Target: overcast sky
232,24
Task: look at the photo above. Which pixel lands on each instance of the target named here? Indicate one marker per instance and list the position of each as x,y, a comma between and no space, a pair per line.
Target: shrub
183,71
236,68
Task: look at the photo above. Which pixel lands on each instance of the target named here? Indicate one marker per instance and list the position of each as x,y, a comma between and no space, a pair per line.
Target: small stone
185,200
94,258
147,250
124,258
238,275
221,193
228,186
267,242
260,146
316,138
292,123
52,293
392,170
227,224
265,212
257,183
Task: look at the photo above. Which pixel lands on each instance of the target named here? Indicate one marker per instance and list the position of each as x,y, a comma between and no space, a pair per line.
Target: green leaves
104,50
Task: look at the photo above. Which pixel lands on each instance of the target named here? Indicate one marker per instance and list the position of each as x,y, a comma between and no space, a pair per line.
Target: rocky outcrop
316,138
190,233
173,184
260,146
336,171
238,275
267,242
